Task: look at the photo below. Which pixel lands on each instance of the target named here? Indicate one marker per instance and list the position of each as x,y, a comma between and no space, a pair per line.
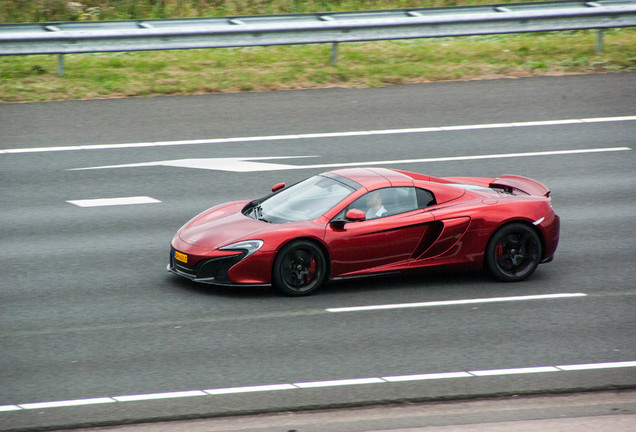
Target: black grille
185,269
217,268
212,270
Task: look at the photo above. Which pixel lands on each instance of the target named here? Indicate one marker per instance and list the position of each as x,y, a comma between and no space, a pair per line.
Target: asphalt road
88,312
600,411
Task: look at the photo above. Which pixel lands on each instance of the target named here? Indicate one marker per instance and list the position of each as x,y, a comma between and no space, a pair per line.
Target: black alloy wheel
513,252
299,268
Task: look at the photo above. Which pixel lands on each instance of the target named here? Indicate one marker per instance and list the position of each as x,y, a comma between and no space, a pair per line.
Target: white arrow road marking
243,164
247,164
114,201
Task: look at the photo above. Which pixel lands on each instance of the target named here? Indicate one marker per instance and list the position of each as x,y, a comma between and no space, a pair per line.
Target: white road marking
514,371
154,396
429,376
250,389
243,164
342,382
319,135
4,408
455,302
67,403
114,201
246,165
320,384
597,366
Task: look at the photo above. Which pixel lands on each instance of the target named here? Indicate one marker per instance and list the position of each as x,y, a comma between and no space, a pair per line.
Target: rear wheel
514,252
299,268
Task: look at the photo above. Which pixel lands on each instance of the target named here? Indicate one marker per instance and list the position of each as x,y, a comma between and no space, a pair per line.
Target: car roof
374,178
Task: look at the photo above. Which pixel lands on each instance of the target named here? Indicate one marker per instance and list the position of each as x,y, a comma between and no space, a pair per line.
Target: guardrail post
60,65
334,54
599,41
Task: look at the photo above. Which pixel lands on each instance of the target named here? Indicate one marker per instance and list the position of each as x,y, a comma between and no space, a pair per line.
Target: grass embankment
368,64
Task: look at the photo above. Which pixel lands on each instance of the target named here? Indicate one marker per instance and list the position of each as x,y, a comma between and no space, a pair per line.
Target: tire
513,252
300,268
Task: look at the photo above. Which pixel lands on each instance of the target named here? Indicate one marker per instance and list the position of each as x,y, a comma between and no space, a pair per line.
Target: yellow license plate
181,257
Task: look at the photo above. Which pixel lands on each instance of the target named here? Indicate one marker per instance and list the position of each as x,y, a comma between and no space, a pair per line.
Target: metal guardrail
141,35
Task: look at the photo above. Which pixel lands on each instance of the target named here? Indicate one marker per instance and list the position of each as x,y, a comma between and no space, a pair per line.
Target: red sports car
366,221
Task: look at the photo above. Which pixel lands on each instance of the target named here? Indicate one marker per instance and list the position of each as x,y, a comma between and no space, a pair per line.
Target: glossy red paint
454,229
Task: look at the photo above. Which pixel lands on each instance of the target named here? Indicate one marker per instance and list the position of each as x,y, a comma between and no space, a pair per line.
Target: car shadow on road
427,279
197,288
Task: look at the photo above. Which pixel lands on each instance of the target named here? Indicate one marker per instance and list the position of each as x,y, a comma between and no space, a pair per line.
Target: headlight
250,246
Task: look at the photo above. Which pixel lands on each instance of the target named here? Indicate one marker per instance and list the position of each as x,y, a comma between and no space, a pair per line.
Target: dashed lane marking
455,302
177,323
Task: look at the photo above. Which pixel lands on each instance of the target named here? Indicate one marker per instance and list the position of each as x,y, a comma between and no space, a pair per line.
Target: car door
383,243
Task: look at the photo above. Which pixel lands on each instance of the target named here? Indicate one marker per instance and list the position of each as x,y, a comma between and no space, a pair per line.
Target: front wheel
299,268
514,252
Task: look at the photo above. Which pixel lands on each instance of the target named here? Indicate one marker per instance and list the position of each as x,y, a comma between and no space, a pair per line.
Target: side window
425,198
387,202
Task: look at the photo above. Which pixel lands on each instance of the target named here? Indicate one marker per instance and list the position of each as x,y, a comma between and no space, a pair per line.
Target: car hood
221,226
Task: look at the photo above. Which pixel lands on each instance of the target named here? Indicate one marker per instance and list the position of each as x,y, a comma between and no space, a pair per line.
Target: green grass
361,64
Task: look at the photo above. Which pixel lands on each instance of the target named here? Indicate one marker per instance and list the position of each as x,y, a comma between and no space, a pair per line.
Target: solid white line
320,135
320,384
154,396
597,366
67,403
455,302
250,389
4,408
342,382
472,157
430,376
514,371
114,201
607,119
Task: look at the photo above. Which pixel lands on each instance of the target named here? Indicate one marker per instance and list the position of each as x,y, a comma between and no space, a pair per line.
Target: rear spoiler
523,184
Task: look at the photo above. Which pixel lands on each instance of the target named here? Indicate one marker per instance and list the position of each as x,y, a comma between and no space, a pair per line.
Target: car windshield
304,201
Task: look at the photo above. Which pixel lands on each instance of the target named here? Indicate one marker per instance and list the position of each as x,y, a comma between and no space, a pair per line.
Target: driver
374,204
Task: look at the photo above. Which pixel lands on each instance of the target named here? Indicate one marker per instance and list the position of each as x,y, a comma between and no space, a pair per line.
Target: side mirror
355,215
278,187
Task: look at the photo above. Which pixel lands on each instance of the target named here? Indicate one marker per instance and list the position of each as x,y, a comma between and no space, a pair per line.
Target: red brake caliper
311,270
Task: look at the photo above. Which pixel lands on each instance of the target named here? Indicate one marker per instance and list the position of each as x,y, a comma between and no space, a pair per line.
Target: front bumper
213,271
